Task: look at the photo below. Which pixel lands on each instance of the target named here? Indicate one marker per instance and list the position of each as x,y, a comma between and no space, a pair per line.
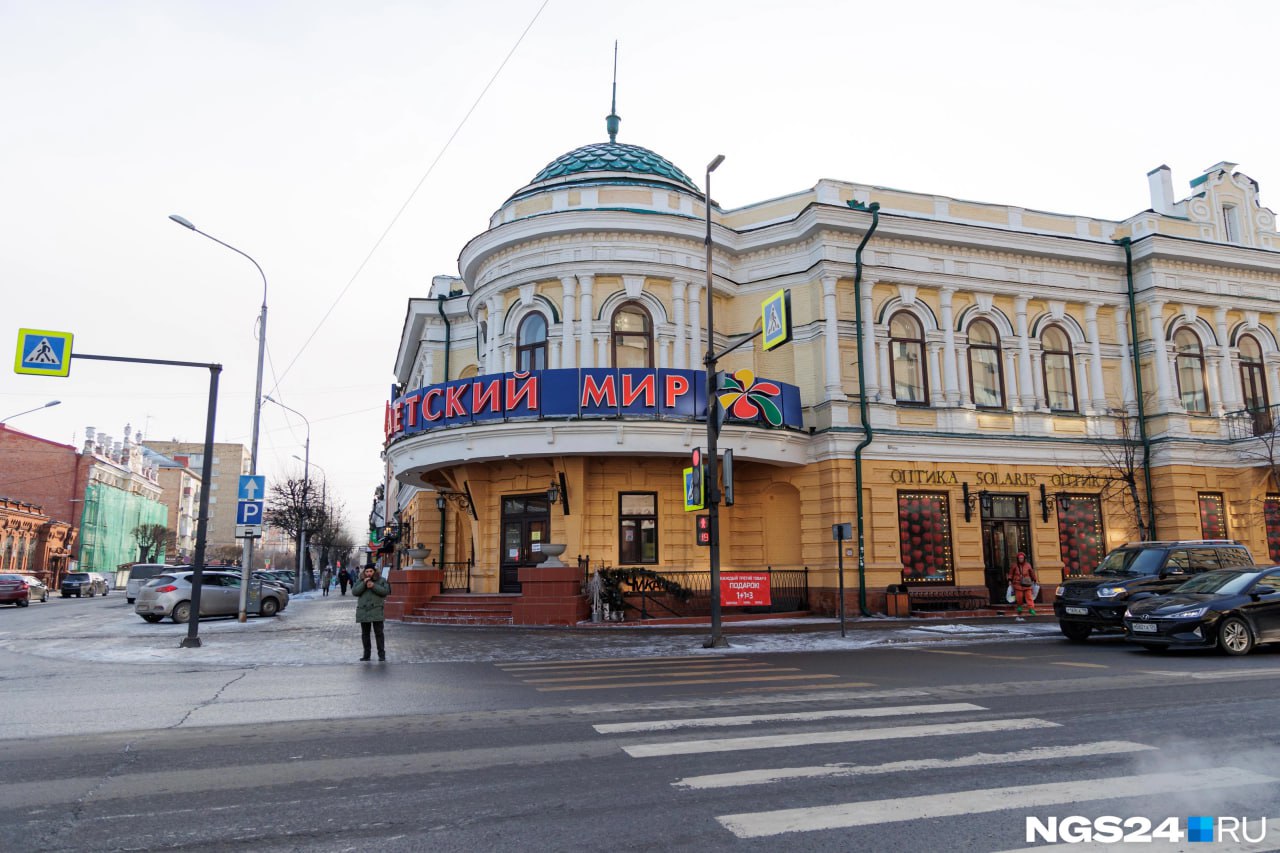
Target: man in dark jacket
371,591
344,578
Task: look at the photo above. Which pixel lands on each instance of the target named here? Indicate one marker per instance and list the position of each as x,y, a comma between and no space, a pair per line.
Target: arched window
1059,370
1190,360
531,343
1253,376
632,336
906,360
986,371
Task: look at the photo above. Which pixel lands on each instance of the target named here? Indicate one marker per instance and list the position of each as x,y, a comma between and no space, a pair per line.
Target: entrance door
526,526
1006,530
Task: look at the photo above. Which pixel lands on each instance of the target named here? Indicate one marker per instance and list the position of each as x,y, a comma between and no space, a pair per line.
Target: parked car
169,595
1233,610
281,577
140,573
1135,571
81,584
21,589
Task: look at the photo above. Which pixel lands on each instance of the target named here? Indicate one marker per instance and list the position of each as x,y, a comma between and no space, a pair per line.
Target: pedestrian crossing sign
775,319
43,353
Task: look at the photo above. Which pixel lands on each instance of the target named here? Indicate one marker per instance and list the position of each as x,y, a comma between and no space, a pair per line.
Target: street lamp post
306,488
324,487
712,488
247,556
29,411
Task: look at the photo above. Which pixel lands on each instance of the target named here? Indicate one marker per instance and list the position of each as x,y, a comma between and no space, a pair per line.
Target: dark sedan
1233,610
81,584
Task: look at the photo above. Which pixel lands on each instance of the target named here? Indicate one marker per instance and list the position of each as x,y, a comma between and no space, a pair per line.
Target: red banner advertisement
745,589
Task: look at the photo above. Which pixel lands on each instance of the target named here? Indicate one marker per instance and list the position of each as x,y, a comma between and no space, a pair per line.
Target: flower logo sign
743,398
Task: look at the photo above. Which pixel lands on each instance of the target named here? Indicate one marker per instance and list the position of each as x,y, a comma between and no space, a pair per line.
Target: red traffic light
702,530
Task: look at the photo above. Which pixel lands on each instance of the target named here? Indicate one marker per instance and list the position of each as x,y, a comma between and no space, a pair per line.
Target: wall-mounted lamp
981,499
462,501
1061,501
558,492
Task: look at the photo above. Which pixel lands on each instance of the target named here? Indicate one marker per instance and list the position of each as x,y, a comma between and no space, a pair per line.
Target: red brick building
50,475
33,543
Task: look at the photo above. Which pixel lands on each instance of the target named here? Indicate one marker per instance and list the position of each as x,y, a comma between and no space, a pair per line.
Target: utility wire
378,243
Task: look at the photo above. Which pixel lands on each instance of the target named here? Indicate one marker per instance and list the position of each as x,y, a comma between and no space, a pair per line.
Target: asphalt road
112,739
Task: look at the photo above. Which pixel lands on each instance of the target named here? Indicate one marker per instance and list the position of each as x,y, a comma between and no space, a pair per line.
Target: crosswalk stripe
626,664
1080,664
528,664
798,716
693,747
1265,845
762,667
835,686
1215,675
733,680
978,759
986,800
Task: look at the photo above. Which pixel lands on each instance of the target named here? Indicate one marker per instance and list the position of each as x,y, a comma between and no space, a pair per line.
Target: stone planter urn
417,557
552,554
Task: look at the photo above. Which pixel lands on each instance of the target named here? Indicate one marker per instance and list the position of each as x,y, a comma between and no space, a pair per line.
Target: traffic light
702,531
726,474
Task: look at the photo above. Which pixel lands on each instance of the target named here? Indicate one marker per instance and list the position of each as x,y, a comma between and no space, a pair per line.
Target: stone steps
464,609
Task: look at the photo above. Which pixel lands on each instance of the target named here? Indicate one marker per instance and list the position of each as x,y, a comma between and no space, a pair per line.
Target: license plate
1077,611
1143,628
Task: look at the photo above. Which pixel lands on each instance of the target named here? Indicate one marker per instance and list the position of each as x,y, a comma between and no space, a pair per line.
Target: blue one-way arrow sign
252,487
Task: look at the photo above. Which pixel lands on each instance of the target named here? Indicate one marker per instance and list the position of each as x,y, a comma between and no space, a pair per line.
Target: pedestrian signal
702,531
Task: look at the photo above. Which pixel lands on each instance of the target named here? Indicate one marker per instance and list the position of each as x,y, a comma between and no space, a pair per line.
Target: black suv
1136,571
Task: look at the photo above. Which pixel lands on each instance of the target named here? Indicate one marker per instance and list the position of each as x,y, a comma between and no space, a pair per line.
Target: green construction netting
106,529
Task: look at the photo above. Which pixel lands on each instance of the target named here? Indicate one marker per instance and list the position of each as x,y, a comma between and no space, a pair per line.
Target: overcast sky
296,131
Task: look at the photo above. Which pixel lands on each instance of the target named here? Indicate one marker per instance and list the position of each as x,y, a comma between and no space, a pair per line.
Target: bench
948,597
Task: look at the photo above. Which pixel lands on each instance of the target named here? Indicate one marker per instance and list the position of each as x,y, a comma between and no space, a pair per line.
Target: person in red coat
1022,577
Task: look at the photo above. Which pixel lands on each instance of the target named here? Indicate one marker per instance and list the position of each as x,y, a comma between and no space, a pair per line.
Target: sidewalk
316,630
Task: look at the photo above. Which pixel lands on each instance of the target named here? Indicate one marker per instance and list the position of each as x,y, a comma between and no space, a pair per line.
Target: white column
1084,403
602,351
886,382
1271,369
831,332
508,357
570,287
678,289
935,386
1026,391
586,282
1012,381
869,344
1160,355
1215,403
553,354
950,386
1231,396
1040,399
1130,397
962,370
429,368
491,359
695,327
663,346
1099,398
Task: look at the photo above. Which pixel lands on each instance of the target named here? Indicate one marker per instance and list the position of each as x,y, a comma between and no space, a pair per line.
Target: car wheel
269,607
44,596
130,600
181,612
1154,647
26,603
106,592
1075,632
150,617
1234,636
66,595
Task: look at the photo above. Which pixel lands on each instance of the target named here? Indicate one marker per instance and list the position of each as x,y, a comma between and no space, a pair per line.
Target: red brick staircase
465,609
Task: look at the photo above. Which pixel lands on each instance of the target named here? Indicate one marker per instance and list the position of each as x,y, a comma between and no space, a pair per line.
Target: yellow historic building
1034,381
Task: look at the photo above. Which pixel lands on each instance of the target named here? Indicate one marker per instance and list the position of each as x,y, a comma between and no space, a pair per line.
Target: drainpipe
874,209
448,338
1137,384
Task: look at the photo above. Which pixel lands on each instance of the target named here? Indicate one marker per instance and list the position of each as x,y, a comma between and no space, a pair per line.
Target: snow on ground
319,630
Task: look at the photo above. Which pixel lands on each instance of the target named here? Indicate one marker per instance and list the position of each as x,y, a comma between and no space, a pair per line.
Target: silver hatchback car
169,595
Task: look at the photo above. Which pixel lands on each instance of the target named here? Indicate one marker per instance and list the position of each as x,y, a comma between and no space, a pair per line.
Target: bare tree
292,506
1119,475
151,539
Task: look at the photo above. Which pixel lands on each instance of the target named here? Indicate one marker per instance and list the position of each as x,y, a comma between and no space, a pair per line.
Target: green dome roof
612,157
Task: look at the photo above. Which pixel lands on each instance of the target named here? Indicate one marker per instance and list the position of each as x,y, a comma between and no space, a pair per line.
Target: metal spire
612,121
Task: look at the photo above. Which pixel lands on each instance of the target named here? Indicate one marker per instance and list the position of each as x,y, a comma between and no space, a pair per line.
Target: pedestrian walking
371,591
344,578
1023,580
325,577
